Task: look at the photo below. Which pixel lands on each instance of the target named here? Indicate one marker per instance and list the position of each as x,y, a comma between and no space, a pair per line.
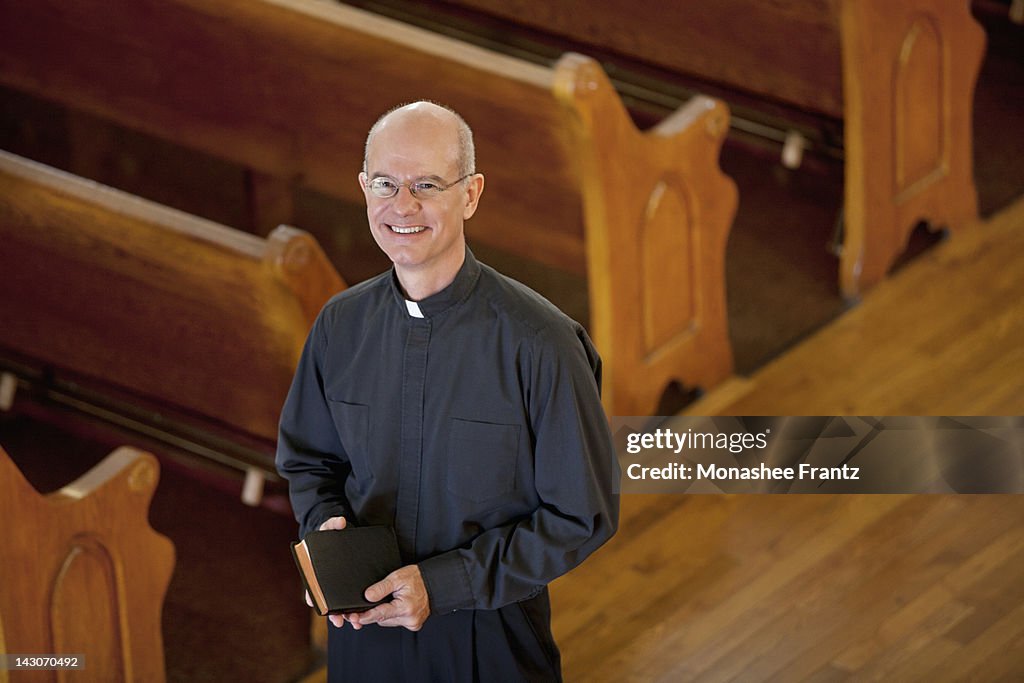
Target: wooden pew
289,88
151,318
82,572
899,76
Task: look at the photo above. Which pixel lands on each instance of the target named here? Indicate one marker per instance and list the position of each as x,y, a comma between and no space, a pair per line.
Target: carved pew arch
658,211
83,573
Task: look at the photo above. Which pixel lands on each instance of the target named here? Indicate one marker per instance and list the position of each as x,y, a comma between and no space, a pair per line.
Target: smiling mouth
407,229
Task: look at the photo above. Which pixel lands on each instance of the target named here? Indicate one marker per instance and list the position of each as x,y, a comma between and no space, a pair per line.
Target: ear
363,178
474,188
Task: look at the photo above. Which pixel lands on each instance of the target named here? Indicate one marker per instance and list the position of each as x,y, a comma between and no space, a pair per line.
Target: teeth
407,230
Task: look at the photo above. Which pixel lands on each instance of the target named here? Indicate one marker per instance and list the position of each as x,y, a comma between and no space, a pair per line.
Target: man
459,407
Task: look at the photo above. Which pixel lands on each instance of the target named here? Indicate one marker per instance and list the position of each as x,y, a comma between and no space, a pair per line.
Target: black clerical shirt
476,431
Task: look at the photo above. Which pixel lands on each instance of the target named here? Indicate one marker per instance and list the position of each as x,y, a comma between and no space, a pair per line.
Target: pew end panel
82,572
658,212
910,69
197,324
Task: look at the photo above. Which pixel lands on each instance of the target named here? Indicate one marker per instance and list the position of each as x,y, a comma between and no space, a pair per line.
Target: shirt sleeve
575,470
309,453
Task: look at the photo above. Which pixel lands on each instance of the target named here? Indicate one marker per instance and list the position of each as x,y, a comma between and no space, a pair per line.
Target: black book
338,566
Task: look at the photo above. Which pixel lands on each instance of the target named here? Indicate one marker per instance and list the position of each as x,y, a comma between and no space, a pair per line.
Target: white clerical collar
413,308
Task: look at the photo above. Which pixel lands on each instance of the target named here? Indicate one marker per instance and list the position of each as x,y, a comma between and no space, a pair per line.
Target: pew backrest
199,323
289,88
735,43
899,75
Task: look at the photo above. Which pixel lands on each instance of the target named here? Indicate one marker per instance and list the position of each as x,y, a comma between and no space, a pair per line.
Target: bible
338,566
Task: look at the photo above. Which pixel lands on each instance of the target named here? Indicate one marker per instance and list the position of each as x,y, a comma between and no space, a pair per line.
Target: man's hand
336,524
409,607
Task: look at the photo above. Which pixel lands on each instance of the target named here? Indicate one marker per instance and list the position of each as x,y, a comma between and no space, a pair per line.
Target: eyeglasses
385,187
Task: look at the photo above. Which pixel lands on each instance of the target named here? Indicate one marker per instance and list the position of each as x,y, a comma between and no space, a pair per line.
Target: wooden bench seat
82,572
898,76
289,88
158,318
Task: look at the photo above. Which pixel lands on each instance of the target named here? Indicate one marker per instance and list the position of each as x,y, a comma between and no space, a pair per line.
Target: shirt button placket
413,387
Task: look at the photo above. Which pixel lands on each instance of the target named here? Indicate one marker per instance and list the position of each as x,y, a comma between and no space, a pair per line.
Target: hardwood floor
941,337
795,588
835,587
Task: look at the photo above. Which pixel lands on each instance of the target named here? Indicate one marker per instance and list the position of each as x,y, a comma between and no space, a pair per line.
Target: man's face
419,233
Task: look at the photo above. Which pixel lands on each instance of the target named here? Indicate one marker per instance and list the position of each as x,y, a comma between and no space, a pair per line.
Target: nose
405,202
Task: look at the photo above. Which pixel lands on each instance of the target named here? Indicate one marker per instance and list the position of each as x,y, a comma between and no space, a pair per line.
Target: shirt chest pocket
482,459
352,421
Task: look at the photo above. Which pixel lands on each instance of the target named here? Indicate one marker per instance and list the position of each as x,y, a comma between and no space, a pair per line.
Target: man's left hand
409,607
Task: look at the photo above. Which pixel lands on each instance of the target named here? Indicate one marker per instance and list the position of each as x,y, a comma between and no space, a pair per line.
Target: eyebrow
432,178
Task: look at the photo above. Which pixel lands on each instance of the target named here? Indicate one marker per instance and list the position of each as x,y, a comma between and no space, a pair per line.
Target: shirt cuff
447,583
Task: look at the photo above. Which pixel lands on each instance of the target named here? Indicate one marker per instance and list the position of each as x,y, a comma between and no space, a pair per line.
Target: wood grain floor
943,336
835,587
800,588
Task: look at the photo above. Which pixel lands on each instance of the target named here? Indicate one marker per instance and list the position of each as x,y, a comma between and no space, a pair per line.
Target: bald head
429,119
